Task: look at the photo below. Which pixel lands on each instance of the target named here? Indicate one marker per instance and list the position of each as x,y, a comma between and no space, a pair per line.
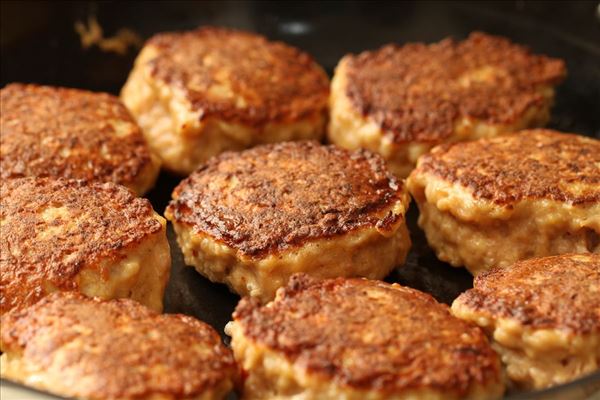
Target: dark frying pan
39,44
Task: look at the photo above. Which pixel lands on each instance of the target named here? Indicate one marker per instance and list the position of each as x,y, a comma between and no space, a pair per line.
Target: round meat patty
254,218
543,315
201,92
88,348
359,339
400,101
63,235
69,133
495,201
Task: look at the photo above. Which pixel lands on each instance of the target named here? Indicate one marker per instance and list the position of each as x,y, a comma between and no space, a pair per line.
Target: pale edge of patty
477,234
348,128
147,177
17,367
536,358
14,367
365,252
272,376
181,138
140,272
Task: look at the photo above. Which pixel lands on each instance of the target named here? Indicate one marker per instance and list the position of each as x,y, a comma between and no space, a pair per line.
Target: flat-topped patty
70,133
89,348
53,229
543,315
559,292
239,76
535,164
370,335
273,197
417,92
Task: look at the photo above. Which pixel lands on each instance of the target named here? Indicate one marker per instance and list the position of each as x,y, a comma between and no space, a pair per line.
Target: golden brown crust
272,197
69,133
52,229
418,91
371,335
240,76
558,292
121,348
534,164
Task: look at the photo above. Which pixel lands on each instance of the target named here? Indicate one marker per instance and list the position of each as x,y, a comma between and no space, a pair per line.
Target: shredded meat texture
371,335
52,229
239,76
558,292
276,196
69,133
418,91
535,164
115,349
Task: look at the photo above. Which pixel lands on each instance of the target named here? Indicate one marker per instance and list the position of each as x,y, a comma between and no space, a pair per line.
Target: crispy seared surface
52,229
117,348
535,164
272,197
240,76
370,335
69,133
484,77
558,292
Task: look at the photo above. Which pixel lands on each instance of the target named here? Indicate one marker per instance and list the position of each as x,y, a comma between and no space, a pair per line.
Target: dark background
39,44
